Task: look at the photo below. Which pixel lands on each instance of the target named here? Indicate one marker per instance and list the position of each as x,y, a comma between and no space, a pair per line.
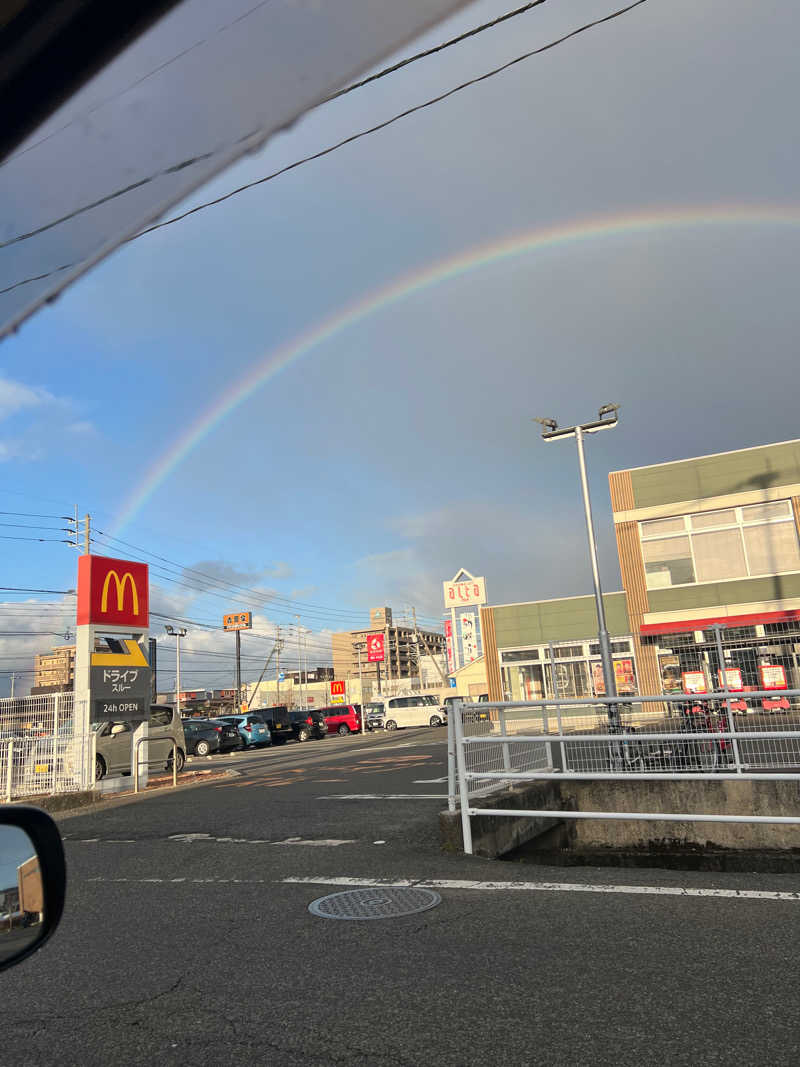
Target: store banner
469,637
624,676
448,637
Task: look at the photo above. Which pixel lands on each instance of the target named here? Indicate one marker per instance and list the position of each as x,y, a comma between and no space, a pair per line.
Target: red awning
687,625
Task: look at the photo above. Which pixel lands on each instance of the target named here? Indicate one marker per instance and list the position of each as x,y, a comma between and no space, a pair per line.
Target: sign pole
238,670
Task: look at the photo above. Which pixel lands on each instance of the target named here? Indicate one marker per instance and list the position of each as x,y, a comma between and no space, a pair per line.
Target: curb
83,803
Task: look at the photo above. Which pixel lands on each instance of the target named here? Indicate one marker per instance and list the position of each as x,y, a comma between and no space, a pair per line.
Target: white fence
709,736
40,753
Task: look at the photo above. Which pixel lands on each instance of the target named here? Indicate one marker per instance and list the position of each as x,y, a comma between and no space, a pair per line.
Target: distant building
313,674
403,647
54,671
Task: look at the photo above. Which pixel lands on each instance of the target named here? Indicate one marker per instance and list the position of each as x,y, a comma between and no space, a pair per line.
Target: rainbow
537,240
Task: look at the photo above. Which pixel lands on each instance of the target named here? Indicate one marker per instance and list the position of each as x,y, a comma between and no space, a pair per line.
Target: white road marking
551,887
385,796
429,781
455,883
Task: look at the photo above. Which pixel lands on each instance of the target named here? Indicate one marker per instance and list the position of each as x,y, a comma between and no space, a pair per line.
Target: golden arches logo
120,583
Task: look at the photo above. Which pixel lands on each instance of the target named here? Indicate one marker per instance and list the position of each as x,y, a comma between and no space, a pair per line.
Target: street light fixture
607,418
177,632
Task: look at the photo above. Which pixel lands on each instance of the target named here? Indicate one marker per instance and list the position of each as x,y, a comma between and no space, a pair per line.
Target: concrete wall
493,836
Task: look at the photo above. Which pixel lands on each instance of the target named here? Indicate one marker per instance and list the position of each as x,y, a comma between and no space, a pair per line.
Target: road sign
113,592
452,683
375,649
239,620
120,682
281,677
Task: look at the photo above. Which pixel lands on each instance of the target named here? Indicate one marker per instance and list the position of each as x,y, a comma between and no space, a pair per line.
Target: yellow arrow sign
134,657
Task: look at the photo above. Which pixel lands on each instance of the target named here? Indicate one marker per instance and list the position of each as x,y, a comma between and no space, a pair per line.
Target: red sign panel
773,676
448,637
114,592
375,651
337,689
694,682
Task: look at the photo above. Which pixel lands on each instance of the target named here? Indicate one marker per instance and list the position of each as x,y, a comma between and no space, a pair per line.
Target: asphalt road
187,937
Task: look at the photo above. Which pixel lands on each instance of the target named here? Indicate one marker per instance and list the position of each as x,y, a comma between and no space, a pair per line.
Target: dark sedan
201,737
229,737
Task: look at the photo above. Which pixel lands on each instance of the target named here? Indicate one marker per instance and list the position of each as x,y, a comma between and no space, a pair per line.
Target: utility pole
153,646
87,539
606,419
361,691
435,661
388,648
416,645
13,680
299,662
278,646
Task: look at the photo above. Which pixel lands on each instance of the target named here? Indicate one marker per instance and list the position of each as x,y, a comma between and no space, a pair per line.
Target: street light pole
177,633
606,420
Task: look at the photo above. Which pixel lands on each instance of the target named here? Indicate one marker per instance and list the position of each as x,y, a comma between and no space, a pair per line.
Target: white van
419,710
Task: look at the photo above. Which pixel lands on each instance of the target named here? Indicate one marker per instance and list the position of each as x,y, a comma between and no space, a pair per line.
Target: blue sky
403,449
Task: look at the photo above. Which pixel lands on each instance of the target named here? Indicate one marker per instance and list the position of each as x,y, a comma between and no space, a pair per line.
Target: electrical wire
36,515
299,162
21,589
54,540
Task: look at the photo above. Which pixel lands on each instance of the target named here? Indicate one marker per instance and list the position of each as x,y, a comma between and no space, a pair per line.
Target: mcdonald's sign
114,592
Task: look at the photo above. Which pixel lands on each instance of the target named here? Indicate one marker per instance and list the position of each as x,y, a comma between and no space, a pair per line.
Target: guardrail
154,740
644,738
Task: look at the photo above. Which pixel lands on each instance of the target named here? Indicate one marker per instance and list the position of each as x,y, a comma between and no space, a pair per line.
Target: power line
22,589
54,540
33,515
211,584
209,155
305,159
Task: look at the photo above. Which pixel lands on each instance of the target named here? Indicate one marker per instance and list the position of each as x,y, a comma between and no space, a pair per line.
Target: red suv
343,718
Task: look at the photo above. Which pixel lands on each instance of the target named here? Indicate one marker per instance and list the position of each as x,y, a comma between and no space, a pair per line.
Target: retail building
704,543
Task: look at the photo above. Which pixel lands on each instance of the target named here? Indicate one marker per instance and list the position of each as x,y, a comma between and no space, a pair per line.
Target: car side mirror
118,728
32,881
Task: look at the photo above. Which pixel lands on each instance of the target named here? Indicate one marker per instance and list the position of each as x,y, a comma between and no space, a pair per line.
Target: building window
521,655
719,545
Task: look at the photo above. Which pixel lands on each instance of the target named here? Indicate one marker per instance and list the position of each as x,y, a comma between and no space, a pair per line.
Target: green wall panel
746,591
558,620
737,472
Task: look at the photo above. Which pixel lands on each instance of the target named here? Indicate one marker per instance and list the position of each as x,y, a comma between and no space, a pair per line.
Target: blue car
252,729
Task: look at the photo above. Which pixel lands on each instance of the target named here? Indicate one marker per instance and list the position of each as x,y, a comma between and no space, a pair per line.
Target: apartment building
403,646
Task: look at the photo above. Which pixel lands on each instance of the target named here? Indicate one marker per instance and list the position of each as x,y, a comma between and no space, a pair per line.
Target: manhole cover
377,902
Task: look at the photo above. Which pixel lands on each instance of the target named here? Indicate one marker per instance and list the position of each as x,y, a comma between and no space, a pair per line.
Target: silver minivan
113,754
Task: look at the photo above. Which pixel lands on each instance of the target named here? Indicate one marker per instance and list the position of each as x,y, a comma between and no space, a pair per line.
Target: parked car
252,728
308,725
201,737
113,752
279,723
228,734
343,718
418,710
375,712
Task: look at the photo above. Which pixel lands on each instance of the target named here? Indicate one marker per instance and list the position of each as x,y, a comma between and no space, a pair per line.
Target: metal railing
154,741
677,737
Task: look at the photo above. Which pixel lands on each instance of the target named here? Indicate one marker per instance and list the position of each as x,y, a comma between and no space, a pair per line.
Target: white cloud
16,397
